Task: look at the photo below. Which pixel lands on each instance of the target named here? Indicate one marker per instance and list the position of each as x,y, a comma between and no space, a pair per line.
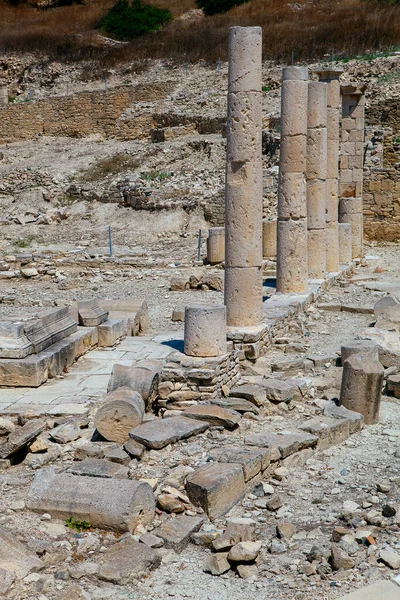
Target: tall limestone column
243,189
352,162
291,260
316,178
331,78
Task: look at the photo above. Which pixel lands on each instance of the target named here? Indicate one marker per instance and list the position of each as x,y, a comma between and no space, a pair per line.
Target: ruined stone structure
216,245
351,162
317,142
243,253
205,330
291,268
3,93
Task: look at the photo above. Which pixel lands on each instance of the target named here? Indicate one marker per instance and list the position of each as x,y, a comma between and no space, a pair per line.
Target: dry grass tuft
309,29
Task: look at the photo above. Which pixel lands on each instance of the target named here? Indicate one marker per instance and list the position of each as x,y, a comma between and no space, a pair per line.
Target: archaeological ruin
246,446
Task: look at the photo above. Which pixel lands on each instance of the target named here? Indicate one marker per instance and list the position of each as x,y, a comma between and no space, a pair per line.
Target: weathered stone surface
151,540
116,454
285,530
252,460
217,564
280,390
247,571
340,560
237,404
170,503
50,327
381,590
6,426
287,443
205,330
7,578
65,433
88,450
97,467
362,386
216,487
355,419
367,347
106,503
176,532
133,308
21,437
13,341
90,313
329,431
121,410
179,283
390,558
393,385
16,558
111,331
253,393
142,377
244,551
134,449
126,561
161,432
214,415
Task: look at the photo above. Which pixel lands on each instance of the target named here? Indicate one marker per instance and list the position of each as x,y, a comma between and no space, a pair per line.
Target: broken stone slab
90,313
177,532
214,415
111,331
393,385
216,488
134,449
97,467
366,347
131,307
16,558
390,558
126,561
280,390
217,564
253,393
357,308
355,419
66,432
287,442
252,460
7,578
106,503
237,404
13,341
21,437
116,454
383,304
142,377
329,431
161,432
120,411
52,326
244,551
380,590
388,345
290,366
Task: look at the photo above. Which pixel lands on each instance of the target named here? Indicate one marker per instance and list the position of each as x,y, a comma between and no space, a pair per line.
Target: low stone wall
381,203
103,112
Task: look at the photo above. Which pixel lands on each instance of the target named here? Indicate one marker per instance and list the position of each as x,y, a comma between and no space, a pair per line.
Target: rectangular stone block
292,270
51,327
317,149
381,590
293,154
329,431
161,432
134,308
177,532
252,460
90,313
31,371
21,437
294,108
111,331
287,443
292,194
216,488
13,341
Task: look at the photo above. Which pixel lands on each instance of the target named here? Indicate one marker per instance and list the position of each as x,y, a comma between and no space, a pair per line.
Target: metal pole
199,247
110,239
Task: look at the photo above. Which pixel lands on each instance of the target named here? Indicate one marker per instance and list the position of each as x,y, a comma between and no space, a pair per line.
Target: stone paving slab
381,590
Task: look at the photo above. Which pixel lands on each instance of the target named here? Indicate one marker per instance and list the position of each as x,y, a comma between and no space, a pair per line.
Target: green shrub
212,7
126,21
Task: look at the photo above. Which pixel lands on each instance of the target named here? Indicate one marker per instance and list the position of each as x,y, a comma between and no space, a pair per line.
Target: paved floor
87,379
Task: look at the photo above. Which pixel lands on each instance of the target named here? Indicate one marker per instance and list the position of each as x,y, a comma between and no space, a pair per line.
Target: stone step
51,327
161,432
111,331
134,309
90,313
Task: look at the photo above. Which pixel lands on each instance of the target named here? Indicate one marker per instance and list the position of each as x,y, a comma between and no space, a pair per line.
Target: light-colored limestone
293,154
269,238
316,203
3,93
292,256
361,389
120,411
205,330
216,245
332,246
345,243
245,59
292,196
243,131
316,154
349,212
248,284
316,253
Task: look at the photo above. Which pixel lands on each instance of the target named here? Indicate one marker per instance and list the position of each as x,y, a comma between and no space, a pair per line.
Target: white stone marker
243,190
216,245
291,263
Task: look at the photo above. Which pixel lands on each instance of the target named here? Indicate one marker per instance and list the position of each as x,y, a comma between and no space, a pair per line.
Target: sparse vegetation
155,175
126,21
112,165
78,525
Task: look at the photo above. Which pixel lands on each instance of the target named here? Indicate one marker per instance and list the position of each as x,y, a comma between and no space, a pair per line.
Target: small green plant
24,242
78,525
266,88
155,175
126,21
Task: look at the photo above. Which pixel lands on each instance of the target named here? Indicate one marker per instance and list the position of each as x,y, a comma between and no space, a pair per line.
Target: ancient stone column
331,78
243,190
3,93
269,238
345,244
291,260
352,162
205,330
216,245
361,388
316,178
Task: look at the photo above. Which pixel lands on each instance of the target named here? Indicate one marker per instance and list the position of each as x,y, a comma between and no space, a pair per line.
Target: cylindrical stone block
205,330
216,245
345,244
3,93
332,123
361,389
332,200
316,204
316,253
245,48
243,209
332,247
269,238
350,211
317,145
332,160
293,116
291,263
244,132
366,347
293,154
292,195
317,105
243,296
295,73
